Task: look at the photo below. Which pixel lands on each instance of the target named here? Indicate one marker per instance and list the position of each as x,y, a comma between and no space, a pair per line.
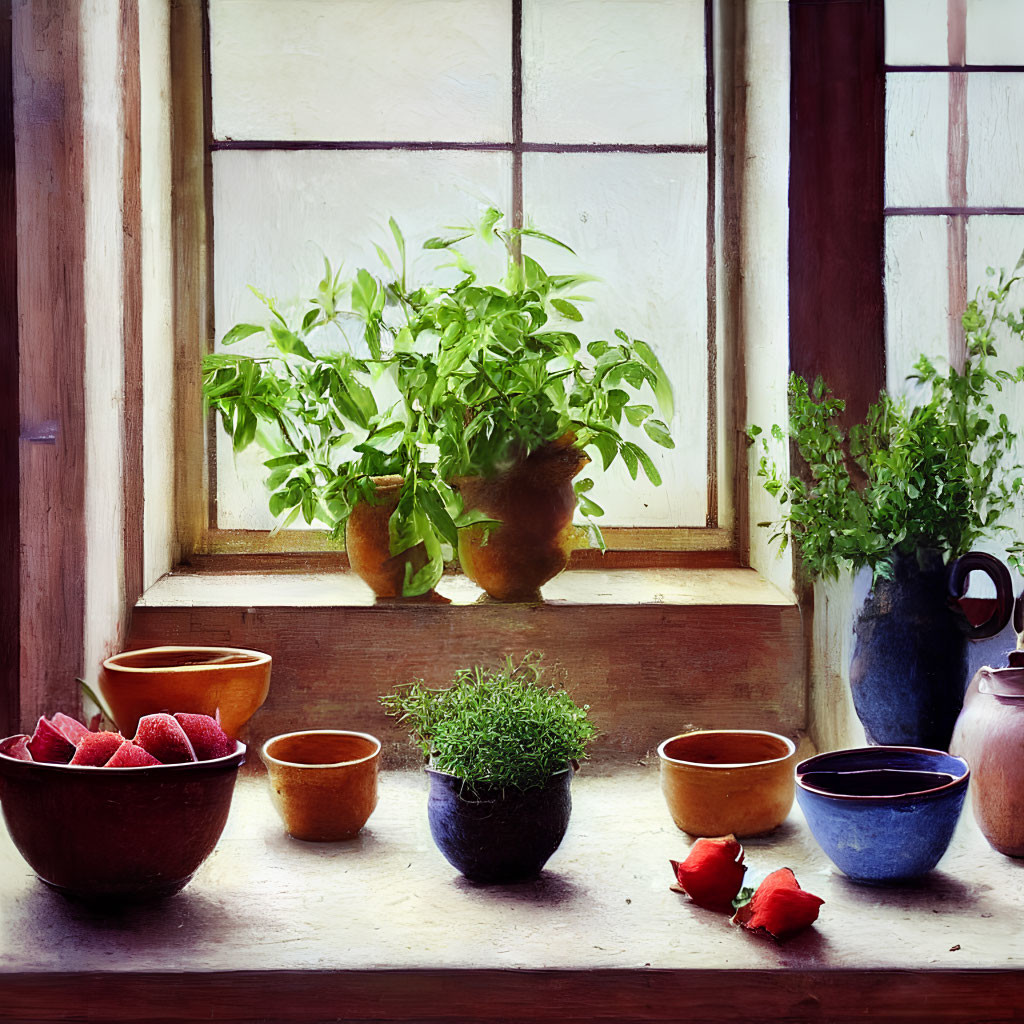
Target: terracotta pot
368,542
225,681
117,833
909,665
728,781
323,782
535,501
990,735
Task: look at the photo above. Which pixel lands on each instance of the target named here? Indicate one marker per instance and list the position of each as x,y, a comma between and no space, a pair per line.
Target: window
592,119
954,181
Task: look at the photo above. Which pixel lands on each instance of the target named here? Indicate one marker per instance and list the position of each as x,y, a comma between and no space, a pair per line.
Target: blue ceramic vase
909,667
882,814
498,835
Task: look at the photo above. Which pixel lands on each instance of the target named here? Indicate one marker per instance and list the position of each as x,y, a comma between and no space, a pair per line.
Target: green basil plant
432,382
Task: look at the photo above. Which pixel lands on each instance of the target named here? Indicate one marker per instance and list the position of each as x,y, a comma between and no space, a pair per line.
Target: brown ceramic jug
990,734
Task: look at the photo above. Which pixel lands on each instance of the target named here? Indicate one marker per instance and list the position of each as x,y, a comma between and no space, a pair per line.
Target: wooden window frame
195,502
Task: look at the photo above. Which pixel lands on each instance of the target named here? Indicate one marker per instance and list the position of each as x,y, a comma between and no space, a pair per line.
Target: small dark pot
498,835
909,667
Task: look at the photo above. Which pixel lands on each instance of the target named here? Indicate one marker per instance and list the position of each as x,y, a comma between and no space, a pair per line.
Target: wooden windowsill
382,929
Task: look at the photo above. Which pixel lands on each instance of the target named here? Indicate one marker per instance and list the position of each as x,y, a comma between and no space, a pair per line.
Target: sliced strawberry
129,755
70,728
208,739
16,747
49,744
165,739
97,748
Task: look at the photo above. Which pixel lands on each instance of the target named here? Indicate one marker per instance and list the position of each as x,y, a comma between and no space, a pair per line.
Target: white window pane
604,71
916,130
276,214
362,69
915,32
638,222
995,32
916,296
995,123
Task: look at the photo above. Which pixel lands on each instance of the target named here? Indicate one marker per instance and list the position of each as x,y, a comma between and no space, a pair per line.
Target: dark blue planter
909,667
496,835
882,814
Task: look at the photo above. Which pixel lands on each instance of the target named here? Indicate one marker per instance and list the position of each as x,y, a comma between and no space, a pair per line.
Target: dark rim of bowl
959,781
731,764
258,658
264,753
225,762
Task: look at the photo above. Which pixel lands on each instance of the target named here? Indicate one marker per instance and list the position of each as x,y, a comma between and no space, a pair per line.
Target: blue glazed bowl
882,814
498,835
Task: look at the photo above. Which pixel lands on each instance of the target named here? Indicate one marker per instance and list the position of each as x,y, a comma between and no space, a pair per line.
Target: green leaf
645,460
567,309
658,432
289,342
239,332
438,514
444,243
533,233
588,507
636,414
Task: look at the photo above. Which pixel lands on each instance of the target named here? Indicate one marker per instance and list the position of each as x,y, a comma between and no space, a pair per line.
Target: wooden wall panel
648,671
51,251
837,142
10,554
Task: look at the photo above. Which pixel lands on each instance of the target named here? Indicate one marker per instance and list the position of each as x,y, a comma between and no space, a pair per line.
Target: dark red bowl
117,833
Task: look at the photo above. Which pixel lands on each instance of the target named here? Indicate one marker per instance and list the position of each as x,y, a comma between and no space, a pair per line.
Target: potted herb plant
502,745
907,493
480,402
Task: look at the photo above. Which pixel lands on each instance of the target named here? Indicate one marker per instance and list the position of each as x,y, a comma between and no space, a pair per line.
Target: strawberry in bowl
98,815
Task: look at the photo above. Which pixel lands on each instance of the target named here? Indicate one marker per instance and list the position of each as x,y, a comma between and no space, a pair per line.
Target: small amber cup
719,782
323,782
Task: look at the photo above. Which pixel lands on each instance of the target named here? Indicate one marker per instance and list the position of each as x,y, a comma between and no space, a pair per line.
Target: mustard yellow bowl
728,781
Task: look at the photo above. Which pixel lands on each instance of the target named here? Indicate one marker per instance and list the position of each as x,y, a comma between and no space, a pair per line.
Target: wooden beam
51,304
837,234
10,553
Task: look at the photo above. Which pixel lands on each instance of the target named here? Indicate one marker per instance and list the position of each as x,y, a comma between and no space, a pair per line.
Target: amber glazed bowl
323,782
117,833
218,681
728,781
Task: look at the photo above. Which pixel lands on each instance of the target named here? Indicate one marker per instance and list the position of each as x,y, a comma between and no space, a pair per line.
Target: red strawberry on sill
164,738
779,907
712,873
16,747
70,728
49,744
97,748
128,755
208,739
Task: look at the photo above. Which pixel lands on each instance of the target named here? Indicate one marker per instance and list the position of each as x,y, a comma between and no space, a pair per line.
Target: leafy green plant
936,474
433,382
495,727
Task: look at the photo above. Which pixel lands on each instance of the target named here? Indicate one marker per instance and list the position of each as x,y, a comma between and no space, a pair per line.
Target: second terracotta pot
534,501
728,781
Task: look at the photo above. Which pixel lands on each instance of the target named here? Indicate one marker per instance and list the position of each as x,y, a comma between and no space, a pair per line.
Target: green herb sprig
499,727
938,474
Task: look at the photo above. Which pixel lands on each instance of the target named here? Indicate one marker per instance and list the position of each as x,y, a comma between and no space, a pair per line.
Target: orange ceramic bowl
323,782
225,681
728,781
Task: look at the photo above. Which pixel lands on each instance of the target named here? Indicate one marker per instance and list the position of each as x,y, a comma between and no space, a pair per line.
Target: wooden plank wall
10,554
51,255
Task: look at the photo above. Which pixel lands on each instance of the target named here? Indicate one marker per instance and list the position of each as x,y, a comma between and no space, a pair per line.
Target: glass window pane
362,69
995,125
995,32
276,214
605,71
638,222
916,131
915,32
916,295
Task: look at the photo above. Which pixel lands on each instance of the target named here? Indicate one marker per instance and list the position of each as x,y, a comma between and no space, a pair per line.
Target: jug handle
1000,576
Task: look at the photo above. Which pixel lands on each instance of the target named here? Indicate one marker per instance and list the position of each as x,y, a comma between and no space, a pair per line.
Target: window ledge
382,929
